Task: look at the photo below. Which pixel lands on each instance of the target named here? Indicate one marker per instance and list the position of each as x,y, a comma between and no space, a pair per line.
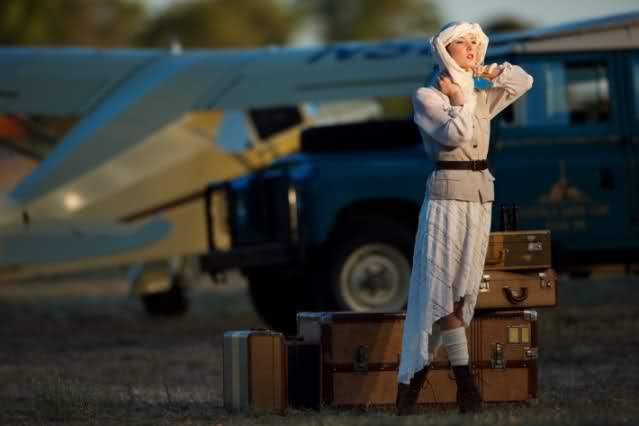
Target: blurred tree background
70,22
505,24
209,23
373,19
219,23
222,23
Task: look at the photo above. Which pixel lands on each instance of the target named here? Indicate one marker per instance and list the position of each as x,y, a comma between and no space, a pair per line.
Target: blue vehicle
332,227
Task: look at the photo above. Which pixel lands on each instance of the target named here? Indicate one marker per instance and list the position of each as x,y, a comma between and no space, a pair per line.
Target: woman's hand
488,72
450,89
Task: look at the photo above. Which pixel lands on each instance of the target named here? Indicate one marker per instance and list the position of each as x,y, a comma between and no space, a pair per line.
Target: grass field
80,350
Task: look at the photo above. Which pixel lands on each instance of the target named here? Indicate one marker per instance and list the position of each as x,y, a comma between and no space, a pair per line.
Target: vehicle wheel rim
374,278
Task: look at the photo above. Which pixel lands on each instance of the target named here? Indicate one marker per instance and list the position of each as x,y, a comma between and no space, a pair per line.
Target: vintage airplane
129,182
154,129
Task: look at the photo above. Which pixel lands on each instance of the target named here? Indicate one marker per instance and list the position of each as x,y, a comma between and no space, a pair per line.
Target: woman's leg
408,394
455,319
454,336
456,343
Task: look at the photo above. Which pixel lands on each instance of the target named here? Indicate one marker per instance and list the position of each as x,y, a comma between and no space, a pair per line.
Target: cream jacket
462,133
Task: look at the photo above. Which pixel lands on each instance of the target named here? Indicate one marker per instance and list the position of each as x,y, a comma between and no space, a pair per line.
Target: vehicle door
561,155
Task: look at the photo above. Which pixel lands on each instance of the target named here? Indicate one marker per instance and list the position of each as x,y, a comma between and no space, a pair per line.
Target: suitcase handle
496,260
516,300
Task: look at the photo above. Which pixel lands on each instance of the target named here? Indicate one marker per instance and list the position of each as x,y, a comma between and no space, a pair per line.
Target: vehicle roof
610,32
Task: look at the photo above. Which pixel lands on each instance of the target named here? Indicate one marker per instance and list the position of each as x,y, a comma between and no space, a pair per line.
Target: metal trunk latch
536,246
484,285
543,282
498,356
360,359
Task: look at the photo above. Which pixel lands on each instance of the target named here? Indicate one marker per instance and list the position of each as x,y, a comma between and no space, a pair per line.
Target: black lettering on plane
389,51
380,51
341,53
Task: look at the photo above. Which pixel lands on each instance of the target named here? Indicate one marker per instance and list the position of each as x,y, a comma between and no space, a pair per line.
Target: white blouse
453,125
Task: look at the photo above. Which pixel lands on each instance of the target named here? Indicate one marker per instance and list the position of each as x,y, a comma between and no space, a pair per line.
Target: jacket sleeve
446,124
507,88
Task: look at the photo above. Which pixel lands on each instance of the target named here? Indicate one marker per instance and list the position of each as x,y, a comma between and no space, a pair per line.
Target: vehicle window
565,94
269,121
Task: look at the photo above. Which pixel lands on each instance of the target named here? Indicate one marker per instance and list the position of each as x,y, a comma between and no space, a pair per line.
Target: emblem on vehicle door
561,190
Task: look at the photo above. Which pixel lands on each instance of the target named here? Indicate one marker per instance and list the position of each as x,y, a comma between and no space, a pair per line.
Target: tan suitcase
518,250
360,358
517,289
255,371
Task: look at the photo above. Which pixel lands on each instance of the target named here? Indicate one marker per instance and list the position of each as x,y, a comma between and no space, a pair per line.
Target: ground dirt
81,350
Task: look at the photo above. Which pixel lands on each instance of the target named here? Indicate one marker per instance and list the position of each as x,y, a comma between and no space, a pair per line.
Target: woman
454,222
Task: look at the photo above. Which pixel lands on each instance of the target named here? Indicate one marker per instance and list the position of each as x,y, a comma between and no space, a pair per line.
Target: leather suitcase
517,289
255,371
360,358
518,250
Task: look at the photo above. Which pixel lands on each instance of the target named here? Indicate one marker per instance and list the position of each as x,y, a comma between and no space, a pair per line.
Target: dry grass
81,351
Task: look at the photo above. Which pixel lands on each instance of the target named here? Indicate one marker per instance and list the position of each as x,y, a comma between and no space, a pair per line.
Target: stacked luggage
349,359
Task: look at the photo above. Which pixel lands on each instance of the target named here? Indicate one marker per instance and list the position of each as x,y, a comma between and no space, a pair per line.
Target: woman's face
463,50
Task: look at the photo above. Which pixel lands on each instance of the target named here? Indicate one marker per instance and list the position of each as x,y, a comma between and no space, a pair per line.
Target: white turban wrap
447,35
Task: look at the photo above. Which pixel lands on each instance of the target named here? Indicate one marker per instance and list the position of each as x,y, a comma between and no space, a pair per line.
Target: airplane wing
68,82
10,210
29,246
134,109
123,96
72,81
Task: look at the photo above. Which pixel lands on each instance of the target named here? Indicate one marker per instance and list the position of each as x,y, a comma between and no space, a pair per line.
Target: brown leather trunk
517,289
255,371
518,250
360,358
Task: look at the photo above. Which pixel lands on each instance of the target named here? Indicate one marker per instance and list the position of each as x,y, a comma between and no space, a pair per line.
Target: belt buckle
474,165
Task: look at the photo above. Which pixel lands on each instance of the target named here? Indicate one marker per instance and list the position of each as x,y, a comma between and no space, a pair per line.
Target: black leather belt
474,165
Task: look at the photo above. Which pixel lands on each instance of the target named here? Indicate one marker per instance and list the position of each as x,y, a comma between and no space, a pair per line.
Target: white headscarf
447,35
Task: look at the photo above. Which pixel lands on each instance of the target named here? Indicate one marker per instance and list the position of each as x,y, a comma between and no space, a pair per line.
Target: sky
539,12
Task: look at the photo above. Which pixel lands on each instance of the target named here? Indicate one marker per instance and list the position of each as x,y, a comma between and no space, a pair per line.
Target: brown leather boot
407,395
402,403
468,396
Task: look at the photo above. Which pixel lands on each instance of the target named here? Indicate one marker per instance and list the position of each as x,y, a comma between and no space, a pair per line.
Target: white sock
456,345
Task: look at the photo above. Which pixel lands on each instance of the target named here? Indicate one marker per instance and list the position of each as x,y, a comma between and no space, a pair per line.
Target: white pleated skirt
448,263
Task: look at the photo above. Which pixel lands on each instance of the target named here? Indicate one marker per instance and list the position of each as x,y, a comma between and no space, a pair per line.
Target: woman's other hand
488,72
451,89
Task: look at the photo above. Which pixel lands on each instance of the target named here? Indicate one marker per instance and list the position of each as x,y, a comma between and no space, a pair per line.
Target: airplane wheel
172,302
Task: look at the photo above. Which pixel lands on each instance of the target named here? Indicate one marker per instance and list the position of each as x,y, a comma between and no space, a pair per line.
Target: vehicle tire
172,302
277,298
369,266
